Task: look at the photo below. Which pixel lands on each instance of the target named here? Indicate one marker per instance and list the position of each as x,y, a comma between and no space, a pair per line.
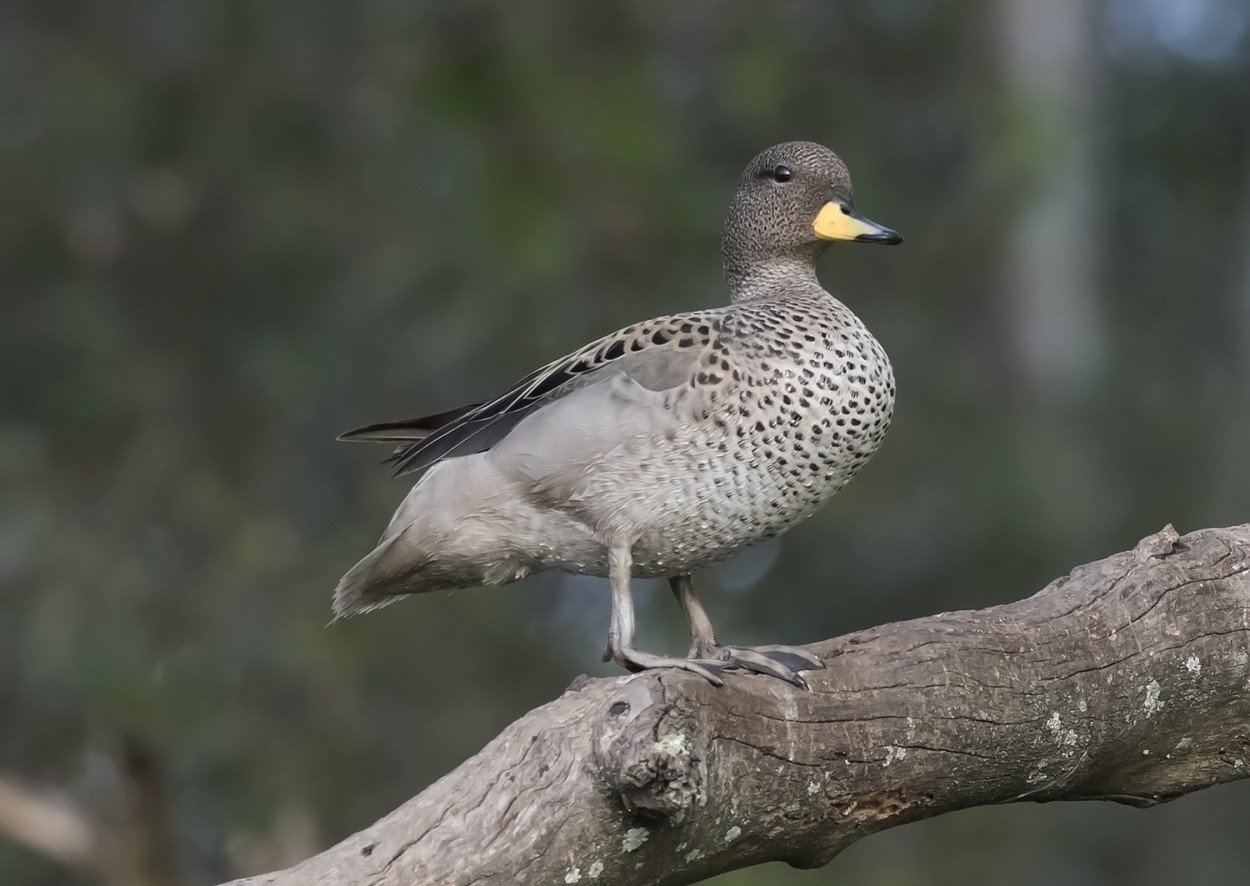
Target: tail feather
370,584
461,526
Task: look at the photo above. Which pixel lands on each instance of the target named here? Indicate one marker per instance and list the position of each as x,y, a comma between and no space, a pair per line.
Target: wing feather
407,429
659,354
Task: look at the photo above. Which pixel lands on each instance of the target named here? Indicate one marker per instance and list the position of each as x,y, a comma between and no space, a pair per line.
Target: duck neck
773,276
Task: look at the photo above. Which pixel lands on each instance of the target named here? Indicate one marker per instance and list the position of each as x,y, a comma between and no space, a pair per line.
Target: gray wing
658,354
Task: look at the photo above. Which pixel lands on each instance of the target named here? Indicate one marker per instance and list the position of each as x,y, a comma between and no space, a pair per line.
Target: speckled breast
808,401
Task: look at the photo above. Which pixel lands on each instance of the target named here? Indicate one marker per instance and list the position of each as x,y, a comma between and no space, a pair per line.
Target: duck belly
701,511
695,500
694,476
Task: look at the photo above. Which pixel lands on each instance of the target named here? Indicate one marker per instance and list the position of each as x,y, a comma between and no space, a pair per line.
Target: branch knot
653,762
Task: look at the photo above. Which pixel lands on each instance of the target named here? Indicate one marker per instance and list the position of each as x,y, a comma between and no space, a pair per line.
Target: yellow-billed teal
664,447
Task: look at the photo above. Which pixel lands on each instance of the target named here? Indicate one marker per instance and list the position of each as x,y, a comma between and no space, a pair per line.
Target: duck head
792,201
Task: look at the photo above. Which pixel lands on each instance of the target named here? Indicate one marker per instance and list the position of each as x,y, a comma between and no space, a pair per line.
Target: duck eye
782,174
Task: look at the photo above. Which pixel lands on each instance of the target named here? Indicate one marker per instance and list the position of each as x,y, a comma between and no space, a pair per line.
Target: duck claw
782,662
636,662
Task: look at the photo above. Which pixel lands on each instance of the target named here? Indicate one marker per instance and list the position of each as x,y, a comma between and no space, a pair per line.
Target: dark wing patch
485,426
479,429
407,429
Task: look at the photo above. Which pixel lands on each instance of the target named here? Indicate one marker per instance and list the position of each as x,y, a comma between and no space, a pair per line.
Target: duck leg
702,634
782,662
621,633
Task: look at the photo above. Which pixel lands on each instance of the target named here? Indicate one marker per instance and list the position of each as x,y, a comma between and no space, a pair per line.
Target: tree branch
119,828
52,829
1126,680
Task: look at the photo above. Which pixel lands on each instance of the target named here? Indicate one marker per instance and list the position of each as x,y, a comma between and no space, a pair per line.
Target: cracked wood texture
1126,680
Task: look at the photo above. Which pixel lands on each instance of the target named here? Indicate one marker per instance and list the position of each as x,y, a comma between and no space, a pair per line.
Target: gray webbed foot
635,661
782,662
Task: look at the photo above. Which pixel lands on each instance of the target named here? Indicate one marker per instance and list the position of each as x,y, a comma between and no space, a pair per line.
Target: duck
662,448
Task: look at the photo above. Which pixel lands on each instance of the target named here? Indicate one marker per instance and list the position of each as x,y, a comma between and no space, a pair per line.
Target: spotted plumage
664,447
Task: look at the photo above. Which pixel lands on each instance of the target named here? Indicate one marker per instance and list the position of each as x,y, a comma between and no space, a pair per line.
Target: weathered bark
1127,680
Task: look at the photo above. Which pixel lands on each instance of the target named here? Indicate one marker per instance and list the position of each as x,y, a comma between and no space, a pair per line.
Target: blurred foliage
233,229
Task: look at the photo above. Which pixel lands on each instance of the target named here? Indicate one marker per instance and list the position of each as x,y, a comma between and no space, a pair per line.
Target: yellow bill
838,220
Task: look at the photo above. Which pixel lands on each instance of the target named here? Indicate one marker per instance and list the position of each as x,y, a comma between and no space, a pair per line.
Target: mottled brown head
792,201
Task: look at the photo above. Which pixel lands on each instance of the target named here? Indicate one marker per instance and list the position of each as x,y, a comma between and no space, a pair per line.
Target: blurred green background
232,229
